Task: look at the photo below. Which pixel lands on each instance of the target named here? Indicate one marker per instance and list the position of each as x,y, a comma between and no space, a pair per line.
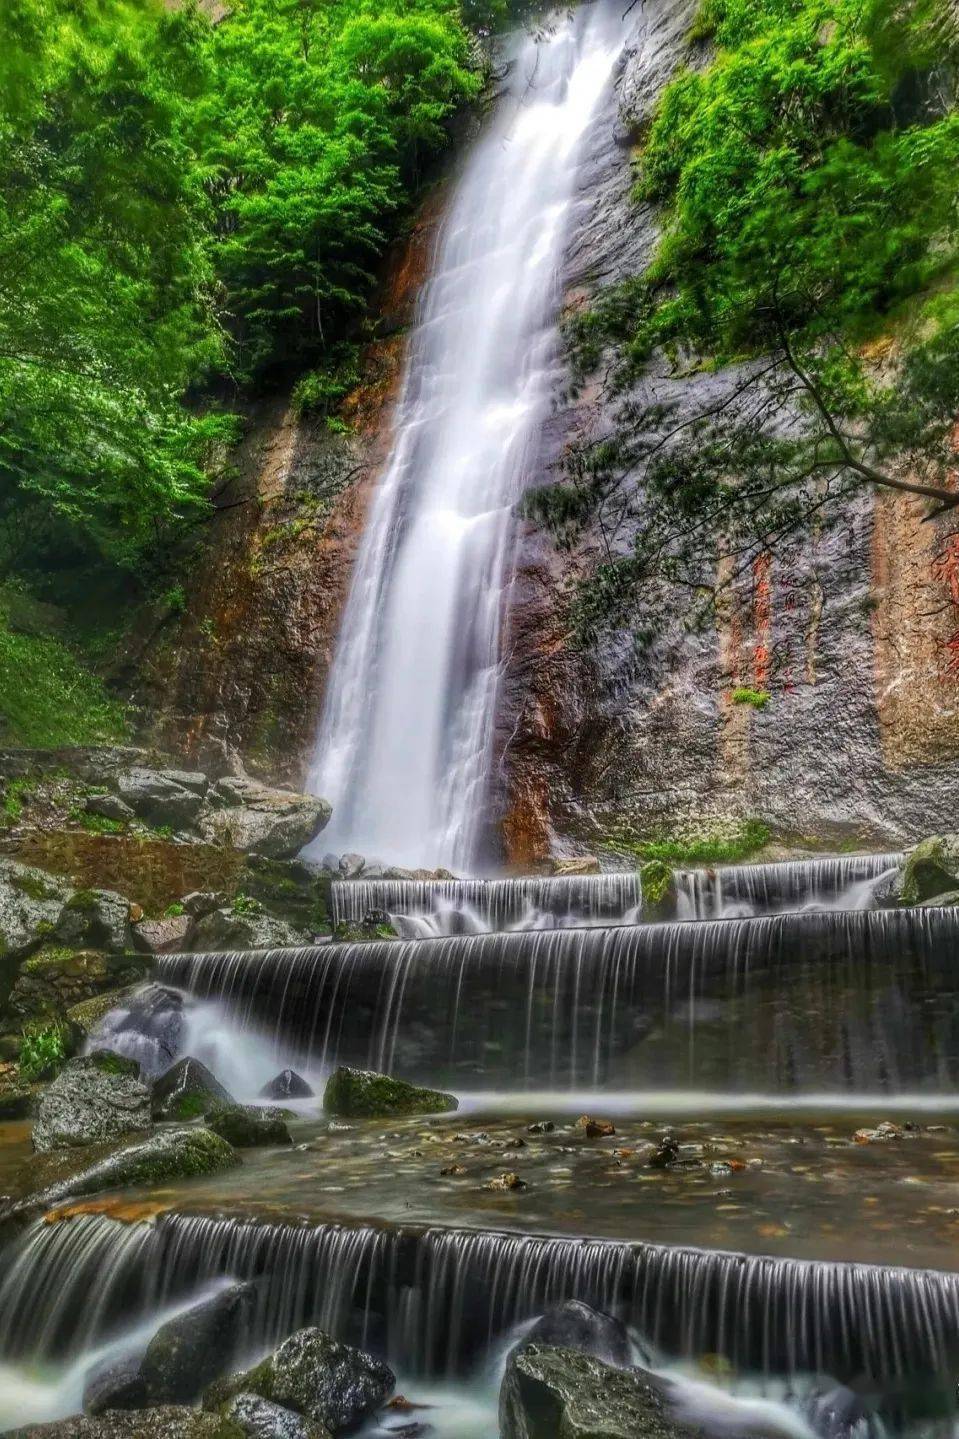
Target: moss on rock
931,870
361,1093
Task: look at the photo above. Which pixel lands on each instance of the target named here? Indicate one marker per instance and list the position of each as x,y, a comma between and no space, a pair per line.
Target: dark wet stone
116,1384
188,1352
665,1153
563,1394
246,1126
361,1093
331,1383
542,1126
258,1418
187,1090
287,1085
147,1026
95,1098
575,1325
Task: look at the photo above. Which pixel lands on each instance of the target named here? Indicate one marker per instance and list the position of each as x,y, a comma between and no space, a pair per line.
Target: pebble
596,1128
507,1181
542,1126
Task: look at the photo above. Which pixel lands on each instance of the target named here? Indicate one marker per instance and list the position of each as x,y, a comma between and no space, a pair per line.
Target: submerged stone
316,1376
191,1350
247,1125
95,1098
187,1090
50,1179
563,1394
361,1093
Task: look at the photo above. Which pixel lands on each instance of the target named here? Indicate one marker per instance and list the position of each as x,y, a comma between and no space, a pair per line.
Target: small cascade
737,891
431,908
437,1301
836,1001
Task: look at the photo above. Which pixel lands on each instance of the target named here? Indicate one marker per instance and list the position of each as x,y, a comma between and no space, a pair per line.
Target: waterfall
437,1300
485,905
737,890
404,747
859,1001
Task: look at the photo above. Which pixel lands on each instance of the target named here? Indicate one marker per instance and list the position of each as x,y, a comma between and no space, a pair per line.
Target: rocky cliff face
244,668
854,634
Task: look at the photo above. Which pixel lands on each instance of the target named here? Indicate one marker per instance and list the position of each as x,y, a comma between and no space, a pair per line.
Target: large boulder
564,1394
195,1347
52,1179
252,817
167,1422
160,797
33,906
257,1418
187,1091
244,925
331,1383
361,1093
931,871
575,1325
54,978
247,1126
146,1026
95,1098
163,936
117,1383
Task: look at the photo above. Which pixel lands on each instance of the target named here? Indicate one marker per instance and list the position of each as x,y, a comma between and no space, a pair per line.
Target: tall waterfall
405,742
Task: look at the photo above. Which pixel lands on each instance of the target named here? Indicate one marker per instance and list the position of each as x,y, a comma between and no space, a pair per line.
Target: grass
48,697
727,844
42,1051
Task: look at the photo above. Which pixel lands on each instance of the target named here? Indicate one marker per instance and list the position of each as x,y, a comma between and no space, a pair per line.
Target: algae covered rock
246,1126
187,1090
249,927
361,1093
53,1178
166,1422
931,871
260,1419
564,1394
95,1098
331,1383
195,1347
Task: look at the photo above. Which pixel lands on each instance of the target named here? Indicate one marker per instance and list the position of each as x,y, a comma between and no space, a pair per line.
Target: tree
804,280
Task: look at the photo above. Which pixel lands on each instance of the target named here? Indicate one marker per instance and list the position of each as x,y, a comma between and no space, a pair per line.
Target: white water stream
405,743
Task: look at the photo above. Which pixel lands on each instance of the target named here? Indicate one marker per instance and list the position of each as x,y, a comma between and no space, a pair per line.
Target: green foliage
806,179
174,911
14,793
314,132
43,1049
743,695
97,823
246,904
48,697
656,878
175,599
713,843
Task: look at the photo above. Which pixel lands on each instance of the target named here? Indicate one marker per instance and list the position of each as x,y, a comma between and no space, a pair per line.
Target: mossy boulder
247,1126
151,1159
930,873
86,1016
95,1098
330,1383
187,1090
564,1394
659,889
260,1419
361,1093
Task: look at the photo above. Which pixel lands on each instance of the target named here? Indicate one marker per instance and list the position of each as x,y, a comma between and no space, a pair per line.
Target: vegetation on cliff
806,174
189,209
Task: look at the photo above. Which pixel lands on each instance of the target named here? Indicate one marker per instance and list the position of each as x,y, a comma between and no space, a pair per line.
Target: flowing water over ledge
844,1001
421,909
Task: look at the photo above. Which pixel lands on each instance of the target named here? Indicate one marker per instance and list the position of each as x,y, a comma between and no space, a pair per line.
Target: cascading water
404,748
